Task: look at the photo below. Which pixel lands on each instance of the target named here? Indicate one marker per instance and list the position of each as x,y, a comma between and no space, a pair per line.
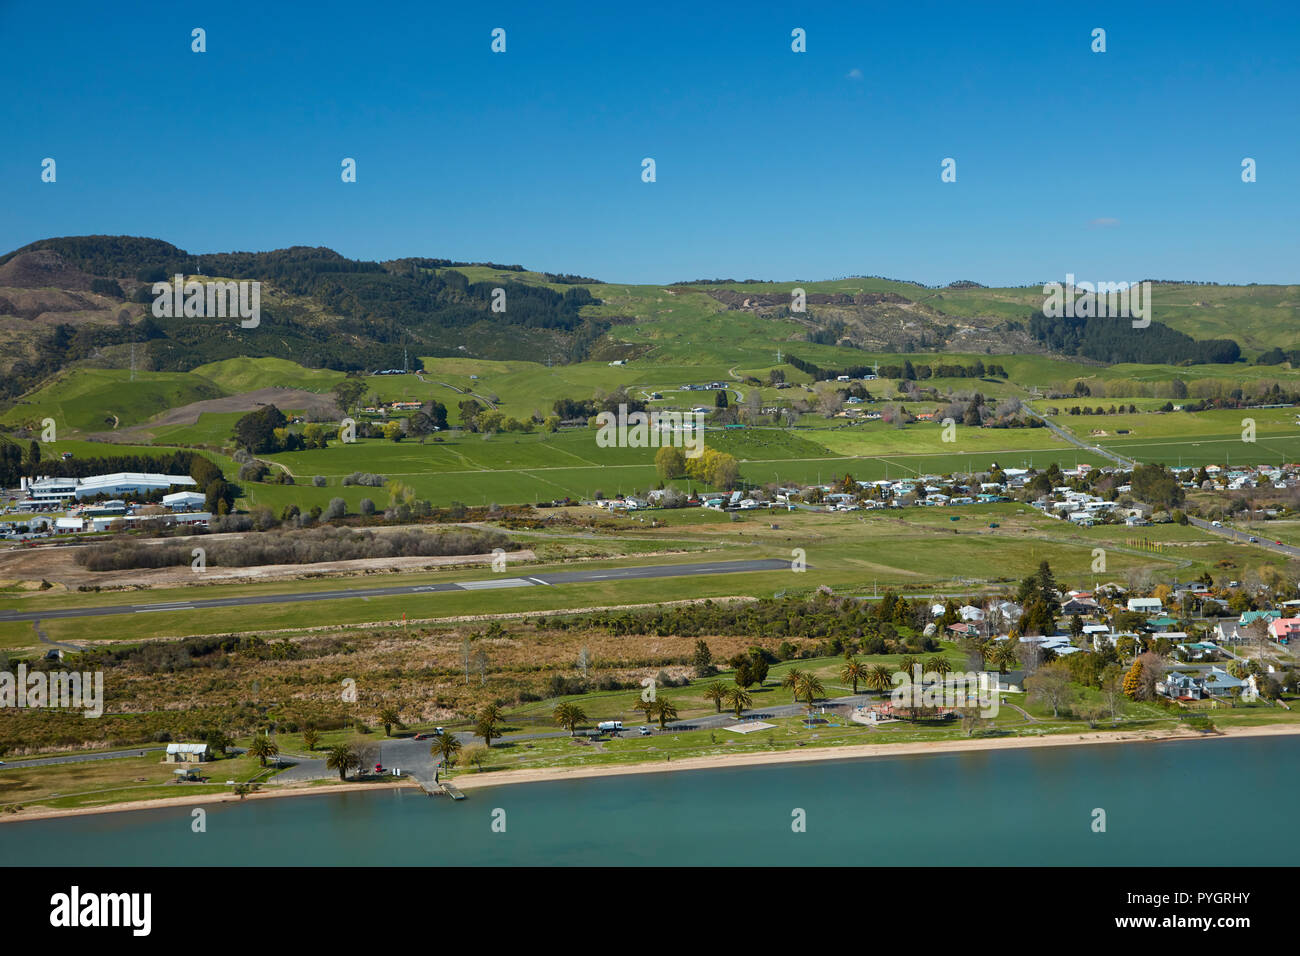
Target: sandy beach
475,780
469,781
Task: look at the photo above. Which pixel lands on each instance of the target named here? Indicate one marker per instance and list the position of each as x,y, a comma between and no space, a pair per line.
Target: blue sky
770,164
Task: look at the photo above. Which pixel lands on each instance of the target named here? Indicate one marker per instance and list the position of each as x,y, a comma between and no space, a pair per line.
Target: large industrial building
117,484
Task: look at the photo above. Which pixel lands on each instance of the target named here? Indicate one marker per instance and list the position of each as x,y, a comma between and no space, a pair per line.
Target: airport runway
591,575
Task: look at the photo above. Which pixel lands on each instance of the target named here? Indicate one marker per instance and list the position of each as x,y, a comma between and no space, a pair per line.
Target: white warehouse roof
187,748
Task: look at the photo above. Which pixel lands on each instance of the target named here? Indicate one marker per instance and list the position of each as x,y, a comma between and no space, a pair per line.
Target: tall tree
568,714
716,692
854,671
665,711
263,747
738,698
342,758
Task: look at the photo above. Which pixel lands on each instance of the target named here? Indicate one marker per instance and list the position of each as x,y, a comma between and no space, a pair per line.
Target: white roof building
183,500
187,748
118,483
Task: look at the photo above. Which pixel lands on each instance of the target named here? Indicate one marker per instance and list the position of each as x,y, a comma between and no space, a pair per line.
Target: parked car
644,731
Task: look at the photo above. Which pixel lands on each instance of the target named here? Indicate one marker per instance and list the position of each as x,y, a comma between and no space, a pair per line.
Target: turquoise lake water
1029,807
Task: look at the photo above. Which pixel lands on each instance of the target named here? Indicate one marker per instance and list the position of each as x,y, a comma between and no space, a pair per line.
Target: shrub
365,479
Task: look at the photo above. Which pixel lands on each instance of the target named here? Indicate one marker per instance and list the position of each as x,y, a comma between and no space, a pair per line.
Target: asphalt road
589,575
1262,538
80,758
1121,460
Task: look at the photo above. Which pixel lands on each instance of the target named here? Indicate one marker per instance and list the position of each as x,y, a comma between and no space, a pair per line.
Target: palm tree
263,747
486,726
646,707
447,745
791,681
853,670
491,712
1004,655
310,738
809,686
879,678
664,712
908,664
938,664
738,698
717,692
342,758
568,714
389,716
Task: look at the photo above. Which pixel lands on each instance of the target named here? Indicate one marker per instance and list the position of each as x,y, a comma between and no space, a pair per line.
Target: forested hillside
318,308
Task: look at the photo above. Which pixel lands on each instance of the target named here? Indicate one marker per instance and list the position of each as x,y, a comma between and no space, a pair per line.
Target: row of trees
296,547
907,371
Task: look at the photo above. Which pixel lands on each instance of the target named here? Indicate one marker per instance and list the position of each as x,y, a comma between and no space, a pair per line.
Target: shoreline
197,799
470,781
476,780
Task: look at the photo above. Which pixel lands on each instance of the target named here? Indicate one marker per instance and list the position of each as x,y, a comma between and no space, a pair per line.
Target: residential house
1284,629
1145,605
1219,683
1250,617
1080,606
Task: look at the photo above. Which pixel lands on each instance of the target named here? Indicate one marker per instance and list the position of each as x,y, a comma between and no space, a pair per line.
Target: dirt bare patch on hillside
312,404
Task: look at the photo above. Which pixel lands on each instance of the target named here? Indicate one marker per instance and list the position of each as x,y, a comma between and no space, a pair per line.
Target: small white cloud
854,74
1104,222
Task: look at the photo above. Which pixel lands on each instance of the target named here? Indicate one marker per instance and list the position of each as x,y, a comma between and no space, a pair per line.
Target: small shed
188,753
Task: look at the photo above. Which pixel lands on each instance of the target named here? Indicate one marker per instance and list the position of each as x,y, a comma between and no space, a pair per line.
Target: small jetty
441,790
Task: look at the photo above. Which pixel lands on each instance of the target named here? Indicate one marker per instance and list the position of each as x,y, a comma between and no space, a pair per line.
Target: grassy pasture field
512,468
854,553
93,399
1209,437
105,782
251,374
